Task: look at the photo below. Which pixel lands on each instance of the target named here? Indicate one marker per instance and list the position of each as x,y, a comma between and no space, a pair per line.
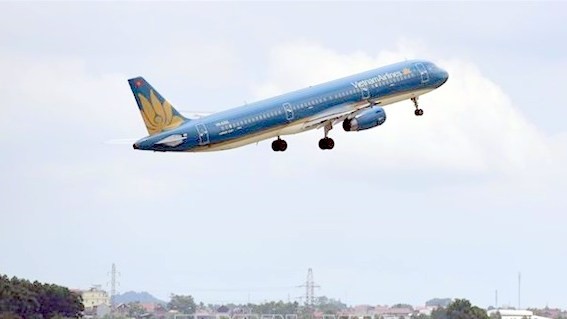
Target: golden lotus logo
158,116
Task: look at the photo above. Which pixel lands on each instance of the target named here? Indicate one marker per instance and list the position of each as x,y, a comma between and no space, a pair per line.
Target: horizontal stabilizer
173,140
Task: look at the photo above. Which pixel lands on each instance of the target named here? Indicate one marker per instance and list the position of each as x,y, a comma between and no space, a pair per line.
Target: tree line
20,298
186,304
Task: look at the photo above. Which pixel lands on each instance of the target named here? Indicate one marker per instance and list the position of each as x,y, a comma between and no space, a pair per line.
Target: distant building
396,313
550,312
383,312
95,297
427,310
514,314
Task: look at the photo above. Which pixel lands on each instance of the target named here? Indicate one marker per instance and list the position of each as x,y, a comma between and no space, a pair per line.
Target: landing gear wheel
326,143
279,145
418,111
330,143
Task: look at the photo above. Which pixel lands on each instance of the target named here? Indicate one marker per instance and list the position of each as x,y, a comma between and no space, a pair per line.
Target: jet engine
365,119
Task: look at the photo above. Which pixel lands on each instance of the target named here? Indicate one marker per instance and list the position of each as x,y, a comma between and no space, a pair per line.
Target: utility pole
496,298
113,283
519,290
309,289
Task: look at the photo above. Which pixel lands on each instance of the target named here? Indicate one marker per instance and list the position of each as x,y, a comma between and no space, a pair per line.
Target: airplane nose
135,146
444,76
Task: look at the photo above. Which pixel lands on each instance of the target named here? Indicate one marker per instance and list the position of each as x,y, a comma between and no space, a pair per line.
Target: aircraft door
288,111
203,134
423,72
364,91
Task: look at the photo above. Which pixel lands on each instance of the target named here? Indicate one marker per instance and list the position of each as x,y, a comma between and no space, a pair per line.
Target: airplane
356,101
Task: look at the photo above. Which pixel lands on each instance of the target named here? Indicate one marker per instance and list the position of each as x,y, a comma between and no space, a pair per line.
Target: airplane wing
335,115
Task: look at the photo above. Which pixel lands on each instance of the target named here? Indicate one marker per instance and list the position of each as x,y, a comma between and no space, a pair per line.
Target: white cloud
58,99
470,124
206,65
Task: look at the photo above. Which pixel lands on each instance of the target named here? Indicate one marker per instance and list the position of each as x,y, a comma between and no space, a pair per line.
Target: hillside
132,296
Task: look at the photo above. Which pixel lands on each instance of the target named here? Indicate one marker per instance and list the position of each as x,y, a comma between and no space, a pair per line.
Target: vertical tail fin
158,114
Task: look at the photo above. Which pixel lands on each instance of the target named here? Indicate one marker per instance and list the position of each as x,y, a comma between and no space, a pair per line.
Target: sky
452,204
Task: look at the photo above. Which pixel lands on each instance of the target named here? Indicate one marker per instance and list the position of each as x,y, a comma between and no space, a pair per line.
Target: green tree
183,304
329,305
24,299
276,307
135,309
462,309
439,313
9,315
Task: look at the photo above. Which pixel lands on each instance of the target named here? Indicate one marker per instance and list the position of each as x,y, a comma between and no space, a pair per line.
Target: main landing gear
327,143
279,145
418,111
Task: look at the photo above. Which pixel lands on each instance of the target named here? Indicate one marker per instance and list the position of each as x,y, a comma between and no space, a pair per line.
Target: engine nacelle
372,117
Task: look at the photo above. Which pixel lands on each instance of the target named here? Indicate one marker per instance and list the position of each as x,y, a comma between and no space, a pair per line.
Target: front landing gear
279,145
327,143
418,111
